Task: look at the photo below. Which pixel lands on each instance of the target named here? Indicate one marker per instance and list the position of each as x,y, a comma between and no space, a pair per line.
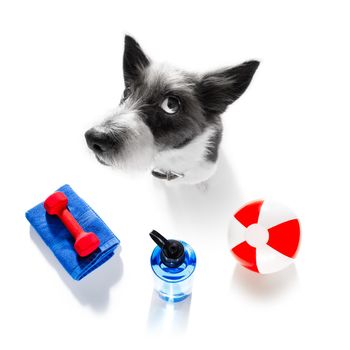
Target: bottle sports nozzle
173,252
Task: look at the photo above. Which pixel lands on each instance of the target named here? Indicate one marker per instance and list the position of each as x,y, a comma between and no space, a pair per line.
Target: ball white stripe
269,260
272,214
236,233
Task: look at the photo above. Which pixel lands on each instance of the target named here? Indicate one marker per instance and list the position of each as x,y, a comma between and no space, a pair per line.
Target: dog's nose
98,141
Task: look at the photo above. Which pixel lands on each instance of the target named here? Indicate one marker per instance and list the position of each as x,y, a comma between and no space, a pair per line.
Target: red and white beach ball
264,236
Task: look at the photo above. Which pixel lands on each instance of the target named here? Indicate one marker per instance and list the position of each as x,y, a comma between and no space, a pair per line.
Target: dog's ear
134,60
217,90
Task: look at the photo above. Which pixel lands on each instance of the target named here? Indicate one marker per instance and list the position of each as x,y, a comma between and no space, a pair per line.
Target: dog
168,120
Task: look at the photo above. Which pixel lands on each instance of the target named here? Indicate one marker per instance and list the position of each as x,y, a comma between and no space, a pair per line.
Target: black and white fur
168,119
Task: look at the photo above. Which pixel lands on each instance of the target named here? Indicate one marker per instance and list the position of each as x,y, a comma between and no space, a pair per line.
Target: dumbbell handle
70,223
85,242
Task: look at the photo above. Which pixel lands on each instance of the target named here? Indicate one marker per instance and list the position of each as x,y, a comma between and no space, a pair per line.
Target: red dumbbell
85,242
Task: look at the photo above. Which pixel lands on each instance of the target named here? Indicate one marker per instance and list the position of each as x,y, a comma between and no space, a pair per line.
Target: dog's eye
170,104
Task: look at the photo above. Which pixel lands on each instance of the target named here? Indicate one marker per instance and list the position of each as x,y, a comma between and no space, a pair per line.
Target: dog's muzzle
101,142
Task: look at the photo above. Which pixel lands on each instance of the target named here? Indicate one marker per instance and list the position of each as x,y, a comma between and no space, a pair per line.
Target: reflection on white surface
92,290
168,317
264,287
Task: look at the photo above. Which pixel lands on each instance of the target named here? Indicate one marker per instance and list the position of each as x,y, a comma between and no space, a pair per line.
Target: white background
285,139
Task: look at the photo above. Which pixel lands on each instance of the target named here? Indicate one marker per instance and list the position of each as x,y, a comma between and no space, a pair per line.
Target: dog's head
163,108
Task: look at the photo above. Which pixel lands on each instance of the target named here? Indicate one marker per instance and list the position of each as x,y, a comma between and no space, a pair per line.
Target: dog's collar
166,174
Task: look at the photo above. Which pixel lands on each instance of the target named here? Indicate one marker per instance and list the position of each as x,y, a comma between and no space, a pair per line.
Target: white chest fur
189,160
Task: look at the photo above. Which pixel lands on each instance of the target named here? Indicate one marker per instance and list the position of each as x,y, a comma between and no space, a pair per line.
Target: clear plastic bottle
173,263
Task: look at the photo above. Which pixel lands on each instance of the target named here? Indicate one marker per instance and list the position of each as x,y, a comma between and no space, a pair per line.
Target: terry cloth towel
60,241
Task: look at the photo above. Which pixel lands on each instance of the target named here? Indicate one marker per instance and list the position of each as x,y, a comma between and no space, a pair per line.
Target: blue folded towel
61,242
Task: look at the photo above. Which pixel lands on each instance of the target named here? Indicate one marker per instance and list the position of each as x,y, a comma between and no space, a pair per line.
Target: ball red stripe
249,214
246,255
285,237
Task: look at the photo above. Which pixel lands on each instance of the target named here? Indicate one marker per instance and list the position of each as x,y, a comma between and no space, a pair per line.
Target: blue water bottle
173,263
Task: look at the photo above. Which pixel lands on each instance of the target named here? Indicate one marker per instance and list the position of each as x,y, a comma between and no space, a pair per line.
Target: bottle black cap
173,252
